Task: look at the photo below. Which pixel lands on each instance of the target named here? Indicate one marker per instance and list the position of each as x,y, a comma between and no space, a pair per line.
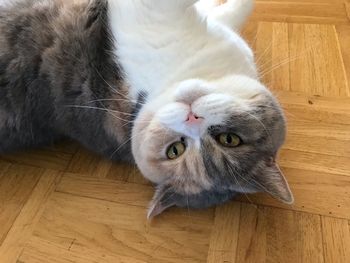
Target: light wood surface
63,204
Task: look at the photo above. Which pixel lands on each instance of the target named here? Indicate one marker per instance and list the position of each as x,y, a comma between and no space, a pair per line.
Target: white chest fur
159,46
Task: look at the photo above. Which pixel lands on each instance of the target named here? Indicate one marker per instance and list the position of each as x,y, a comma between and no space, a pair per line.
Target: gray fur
53,64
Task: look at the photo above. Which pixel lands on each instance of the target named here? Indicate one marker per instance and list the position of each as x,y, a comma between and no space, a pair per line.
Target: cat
168,85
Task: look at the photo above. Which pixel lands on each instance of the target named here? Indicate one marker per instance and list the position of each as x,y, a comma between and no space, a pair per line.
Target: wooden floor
63,204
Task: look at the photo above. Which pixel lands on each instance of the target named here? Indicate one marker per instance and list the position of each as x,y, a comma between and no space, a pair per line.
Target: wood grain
336,240
49,158
22,228
298,11
272,235
64,204
315,72
16,186
309,188
224,237
83,223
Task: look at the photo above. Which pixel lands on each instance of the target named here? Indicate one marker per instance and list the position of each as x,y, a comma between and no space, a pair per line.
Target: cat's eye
229,140
176,150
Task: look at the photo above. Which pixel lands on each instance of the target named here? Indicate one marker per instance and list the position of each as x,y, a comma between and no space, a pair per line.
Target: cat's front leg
232,13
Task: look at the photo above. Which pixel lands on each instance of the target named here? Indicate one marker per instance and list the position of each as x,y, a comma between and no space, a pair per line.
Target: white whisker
100,109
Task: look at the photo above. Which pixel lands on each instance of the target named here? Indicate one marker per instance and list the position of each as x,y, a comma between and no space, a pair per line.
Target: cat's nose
193,119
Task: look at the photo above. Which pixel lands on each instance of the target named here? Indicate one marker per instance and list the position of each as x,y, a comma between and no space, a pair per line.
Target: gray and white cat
168,84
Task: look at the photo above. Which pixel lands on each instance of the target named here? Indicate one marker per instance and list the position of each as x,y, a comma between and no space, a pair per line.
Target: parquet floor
63,204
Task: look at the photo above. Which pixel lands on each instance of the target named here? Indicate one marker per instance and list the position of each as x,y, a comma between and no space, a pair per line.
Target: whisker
283,62
237,182
261,56
263,125
274,67
188,209
100,109
234,173
121,146
97,108
274,107
103,100
109,85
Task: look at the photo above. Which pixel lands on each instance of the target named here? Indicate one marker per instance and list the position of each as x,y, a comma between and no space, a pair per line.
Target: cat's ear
272,181
162,200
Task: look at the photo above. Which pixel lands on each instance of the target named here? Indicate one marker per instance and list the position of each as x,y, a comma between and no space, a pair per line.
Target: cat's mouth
193,125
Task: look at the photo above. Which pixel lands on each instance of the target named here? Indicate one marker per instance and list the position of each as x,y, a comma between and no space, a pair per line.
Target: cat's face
204,142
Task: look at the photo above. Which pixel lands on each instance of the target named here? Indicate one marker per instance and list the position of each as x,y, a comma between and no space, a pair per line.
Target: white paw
245,6
233,13
174,4
206,6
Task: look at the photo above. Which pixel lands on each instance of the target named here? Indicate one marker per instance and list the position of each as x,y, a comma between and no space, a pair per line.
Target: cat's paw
173,5
233,13
240,6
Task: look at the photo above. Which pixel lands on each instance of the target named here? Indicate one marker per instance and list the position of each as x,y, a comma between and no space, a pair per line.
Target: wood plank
334,105
327,2
273,235
128,217
127,173
318,144
3,167
315,162
280,70
289,59
224,237
319,129
347,7
272,54
39,251
314,192
29,215
91,165
301,12
317,115
104,189
41,158
263,50
315,72
16,185
106,226
336,240
316,109
343,33
85,162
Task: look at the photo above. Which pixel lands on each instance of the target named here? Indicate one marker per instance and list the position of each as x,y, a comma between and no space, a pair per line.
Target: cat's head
204,142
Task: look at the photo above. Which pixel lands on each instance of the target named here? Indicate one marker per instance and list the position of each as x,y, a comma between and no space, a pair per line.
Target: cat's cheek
141,148
143,165
149,174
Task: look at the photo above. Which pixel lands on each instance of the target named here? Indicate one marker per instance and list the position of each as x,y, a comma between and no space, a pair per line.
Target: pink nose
193,119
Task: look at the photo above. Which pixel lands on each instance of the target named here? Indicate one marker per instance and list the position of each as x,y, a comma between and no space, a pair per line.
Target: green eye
176,150
229,140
